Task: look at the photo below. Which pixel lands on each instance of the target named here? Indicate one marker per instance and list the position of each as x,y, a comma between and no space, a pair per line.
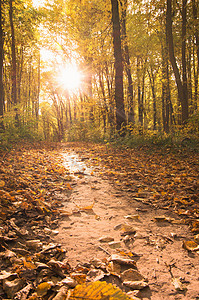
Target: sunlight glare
38,3
70,77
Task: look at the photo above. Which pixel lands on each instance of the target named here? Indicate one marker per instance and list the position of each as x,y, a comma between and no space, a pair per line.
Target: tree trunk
195,15
104,105
189,76
1,69
14,64
184,65
166,97
111,105
140,104
119,93
152,82
131,115
182,98
38,89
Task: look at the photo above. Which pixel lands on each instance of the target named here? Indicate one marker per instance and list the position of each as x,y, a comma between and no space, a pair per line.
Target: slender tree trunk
1,69
184,65
88,91
189,75
69,110
111,106
143,94
140,104
131,115
196,33
38,90
195,73
104,105
119,93
152,82
165,89
14,64
182,98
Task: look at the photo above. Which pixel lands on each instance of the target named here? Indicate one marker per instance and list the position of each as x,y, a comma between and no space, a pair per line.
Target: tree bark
119,93
182,98
184,64
131,114
14,64
152,82
140,104
1,68
195,15
166,96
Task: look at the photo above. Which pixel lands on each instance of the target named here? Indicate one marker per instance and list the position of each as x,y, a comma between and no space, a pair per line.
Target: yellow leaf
98,290
190,245
2,183
89,207
125,253
29,265
43,288
69,186
163,193
80,278
195,224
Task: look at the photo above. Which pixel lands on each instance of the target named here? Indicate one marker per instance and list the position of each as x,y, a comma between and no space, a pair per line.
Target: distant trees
140,61
19,67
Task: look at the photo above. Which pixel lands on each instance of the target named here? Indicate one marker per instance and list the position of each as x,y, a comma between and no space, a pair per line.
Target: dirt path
99,210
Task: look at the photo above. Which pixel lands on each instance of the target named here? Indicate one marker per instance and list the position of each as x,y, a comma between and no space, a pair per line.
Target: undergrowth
179,137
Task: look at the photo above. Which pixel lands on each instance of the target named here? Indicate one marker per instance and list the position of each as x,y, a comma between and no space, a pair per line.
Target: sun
69,77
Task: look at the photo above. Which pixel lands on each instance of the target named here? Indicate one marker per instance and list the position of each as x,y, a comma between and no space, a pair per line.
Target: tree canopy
81,69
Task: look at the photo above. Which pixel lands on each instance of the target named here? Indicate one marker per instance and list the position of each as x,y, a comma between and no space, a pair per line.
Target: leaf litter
32,184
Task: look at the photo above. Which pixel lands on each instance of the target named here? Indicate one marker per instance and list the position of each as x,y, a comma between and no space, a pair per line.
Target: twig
104,250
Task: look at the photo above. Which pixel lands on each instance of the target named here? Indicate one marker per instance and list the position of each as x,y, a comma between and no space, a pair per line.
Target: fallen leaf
190,245
178,284
122,261
114,268
128,229
130,254
69,186
43,288
196,238
78,277
114,245
131,275
106,239
97,291
2,183
89,207
132,217
62,294
136,285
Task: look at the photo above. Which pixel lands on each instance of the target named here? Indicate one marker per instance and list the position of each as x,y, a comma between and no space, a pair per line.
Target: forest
99,71
99,142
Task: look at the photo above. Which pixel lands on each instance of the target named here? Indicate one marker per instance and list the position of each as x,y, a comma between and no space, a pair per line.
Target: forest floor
92,212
